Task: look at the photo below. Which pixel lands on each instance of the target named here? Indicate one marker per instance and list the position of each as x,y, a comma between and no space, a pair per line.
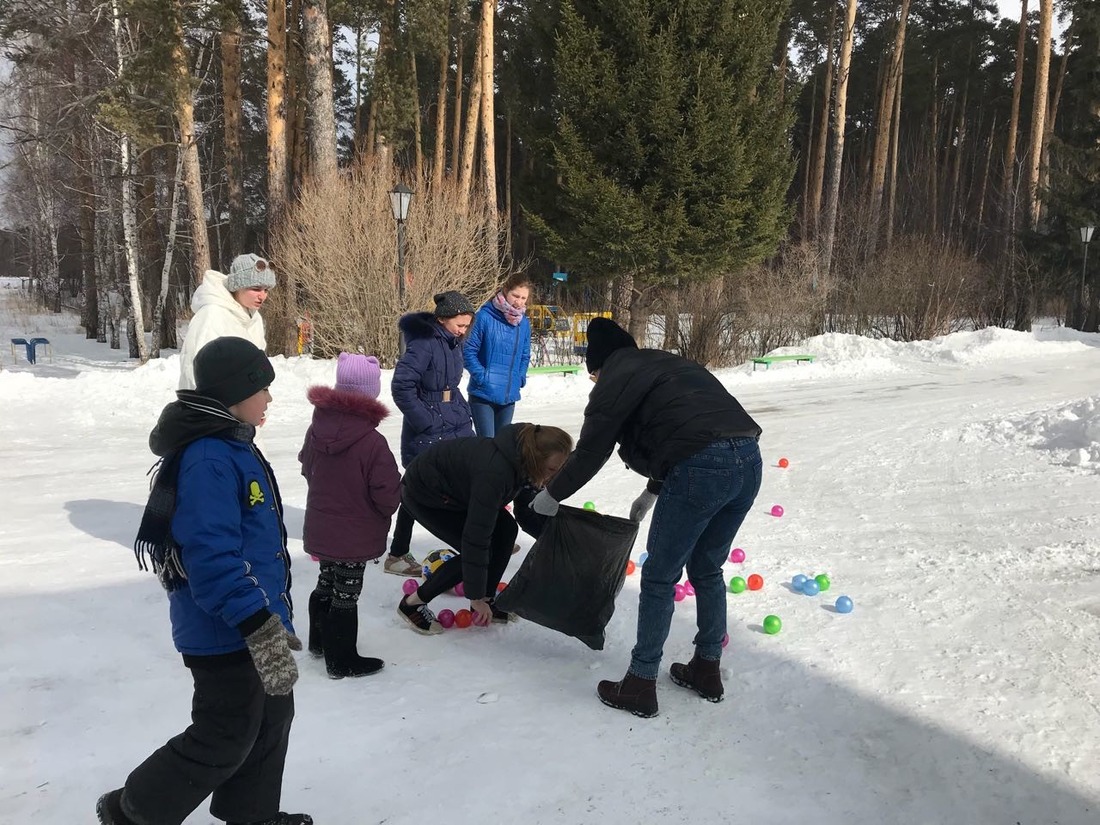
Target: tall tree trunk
166,266
129,213
322,115
956,170
232,113
488,112
985,177
1052,112
469,140
278,180
439,156
811,143
884,120
894,140
357,137
89,313
1014,118
508,173
418,125
295,106
1039,111
839,124
456,129
382,89
818,151
149,234
934,151
189,148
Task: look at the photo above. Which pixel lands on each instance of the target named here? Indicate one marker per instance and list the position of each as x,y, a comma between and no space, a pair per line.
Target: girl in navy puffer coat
497,354
426,389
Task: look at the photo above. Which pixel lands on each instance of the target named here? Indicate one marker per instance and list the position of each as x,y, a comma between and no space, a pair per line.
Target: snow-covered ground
950,488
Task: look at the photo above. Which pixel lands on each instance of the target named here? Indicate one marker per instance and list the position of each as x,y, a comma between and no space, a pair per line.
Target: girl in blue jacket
213,529
497,354
426,389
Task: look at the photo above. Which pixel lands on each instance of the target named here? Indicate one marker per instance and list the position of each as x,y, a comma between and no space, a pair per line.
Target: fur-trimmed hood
341,418
417,325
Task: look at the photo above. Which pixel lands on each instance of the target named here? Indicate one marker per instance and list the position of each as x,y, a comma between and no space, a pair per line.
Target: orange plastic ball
500,587
463,618
784,463
629,567
756,581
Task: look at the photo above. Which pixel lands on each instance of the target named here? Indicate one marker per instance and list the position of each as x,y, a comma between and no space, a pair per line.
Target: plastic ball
409,586
642,558
463,618
811,587
725,639
689,588
678,592
823,582
590,505
756,581
784,463
313,557
737,585
446,618
843,604
460,590
629,567
777,511
772,625
501,586
435,559
737,555
798,581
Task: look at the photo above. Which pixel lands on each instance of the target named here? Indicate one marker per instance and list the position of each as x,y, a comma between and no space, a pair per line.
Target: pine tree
671,138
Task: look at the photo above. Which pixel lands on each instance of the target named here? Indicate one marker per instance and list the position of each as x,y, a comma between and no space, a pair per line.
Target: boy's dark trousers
234,749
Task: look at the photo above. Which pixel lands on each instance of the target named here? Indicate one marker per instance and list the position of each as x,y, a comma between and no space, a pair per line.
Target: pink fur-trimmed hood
350,403
342,418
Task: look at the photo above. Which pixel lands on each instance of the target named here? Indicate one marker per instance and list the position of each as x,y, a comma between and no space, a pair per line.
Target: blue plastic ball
810,587
642,558
843,604
798,581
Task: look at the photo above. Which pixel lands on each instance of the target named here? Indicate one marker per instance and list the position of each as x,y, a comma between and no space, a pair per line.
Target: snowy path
963,689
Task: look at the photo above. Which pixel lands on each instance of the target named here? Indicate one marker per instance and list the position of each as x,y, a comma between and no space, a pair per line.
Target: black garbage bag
572,574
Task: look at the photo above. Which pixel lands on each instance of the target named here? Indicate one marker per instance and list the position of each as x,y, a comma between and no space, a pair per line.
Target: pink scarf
513,315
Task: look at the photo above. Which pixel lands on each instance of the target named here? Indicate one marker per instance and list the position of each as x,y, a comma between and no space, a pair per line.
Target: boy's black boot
341,631
108,809
280,819
633,693
704,676
318,610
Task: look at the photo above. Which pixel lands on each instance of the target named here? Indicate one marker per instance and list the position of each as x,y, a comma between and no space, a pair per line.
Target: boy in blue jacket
213,529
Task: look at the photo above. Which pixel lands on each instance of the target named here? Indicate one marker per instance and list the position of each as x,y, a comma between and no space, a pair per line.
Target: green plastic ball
590,505
822,582
772,625
737,585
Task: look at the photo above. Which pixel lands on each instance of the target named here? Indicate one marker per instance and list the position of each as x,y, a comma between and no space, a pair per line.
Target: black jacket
476,475
660,407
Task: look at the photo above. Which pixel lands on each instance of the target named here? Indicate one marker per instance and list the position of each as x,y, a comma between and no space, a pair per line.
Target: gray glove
642,505
544,504
270,648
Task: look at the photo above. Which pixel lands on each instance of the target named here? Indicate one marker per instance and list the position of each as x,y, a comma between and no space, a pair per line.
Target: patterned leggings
341,582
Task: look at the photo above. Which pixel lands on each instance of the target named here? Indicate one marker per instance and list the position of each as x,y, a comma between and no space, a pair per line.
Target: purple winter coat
354,484
428,372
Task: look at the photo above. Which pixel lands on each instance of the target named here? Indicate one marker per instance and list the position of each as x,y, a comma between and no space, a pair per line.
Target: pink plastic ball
460,591
689,588
678,592
446,618
725,639
737,555
313,557
777,511
409,587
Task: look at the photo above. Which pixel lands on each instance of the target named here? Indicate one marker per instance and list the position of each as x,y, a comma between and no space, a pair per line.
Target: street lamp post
400,197
1086,236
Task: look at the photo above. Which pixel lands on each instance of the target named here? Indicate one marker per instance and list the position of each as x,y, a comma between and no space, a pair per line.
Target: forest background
724,176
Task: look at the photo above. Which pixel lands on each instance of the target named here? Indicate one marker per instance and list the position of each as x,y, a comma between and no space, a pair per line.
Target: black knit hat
232,369
451,303
604,337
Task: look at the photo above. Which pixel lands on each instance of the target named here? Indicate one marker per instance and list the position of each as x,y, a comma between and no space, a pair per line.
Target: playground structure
558,337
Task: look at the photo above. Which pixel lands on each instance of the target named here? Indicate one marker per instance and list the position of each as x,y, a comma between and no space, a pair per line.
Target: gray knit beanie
249,270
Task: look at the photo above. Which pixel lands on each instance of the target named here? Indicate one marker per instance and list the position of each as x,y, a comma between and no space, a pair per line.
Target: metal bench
768,360
31,347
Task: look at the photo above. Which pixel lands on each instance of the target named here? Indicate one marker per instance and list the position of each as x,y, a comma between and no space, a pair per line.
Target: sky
948,487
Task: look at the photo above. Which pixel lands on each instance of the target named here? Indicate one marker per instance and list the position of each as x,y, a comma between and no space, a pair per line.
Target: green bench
768,360
564,369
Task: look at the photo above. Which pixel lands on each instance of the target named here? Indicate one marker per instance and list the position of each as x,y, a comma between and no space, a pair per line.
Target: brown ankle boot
704,676
633,693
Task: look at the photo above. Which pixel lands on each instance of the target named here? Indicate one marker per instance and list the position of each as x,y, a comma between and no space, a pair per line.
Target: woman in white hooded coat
227,305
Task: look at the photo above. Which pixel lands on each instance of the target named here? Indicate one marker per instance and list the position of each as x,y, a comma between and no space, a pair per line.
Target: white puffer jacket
217,315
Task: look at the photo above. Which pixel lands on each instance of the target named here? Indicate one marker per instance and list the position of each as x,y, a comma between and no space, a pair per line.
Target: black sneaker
280,819
419,617
108,809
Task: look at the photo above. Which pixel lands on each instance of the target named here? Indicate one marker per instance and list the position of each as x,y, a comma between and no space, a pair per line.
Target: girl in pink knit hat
354,490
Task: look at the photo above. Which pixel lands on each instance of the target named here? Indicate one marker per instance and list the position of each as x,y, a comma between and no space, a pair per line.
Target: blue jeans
489,417
699,511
